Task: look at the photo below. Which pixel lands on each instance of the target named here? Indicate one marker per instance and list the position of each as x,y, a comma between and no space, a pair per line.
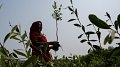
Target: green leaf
118,19
23,36
98,22
76,13
3,64
3,51
118,44
29,61
83,28
93,40
28,43
116,24
71,2
113,34
115,52
55,6
71,20
70,8
89,43
13,35
14,55
96,47
28,52
14,28
106,39
83,40
89,32
80,36
111,38
89,24
6,37
78,25
89,50
20,53
60,5
17,29
117,37
17,38
98,34
108,15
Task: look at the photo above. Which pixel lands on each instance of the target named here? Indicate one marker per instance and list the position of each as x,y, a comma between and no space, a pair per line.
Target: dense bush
93,59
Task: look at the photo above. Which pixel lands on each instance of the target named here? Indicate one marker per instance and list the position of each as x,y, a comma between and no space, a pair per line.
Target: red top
35,37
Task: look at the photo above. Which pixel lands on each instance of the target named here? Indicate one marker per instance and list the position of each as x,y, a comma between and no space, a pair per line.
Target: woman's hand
55,45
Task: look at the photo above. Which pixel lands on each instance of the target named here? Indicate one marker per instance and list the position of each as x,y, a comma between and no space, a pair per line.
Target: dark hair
36,26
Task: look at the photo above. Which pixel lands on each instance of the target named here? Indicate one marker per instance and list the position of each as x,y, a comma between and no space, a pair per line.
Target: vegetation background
90,35
25,12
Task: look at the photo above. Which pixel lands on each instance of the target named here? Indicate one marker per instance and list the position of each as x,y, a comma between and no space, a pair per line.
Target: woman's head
36,26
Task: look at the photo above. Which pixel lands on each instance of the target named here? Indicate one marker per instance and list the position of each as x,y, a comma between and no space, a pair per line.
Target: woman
39,40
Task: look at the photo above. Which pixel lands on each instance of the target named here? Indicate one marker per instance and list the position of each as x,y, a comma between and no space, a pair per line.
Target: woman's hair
36,26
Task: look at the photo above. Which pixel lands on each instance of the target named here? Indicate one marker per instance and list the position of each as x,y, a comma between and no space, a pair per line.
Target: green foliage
86,32
6,37
57,12
71,20
12,59
98,22
118,20
29,61
106,39
20,53
93,59
99,57
96,57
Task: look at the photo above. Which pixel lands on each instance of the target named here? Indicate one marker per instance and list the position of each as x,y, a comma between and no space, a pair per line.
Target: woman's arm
49,43
52,45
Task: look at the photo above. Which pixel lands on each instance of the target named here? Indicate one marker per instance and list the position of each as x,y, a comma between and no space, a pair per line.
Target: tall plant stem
98,37
56,30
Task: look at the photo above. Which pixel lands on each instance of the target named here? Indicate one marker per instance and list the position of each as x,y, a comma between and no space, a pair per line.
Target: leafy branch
80,25
57,15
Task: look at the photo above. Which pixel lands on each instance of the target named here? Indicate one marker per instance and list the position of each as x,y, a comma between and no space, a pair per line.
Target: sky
25,12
